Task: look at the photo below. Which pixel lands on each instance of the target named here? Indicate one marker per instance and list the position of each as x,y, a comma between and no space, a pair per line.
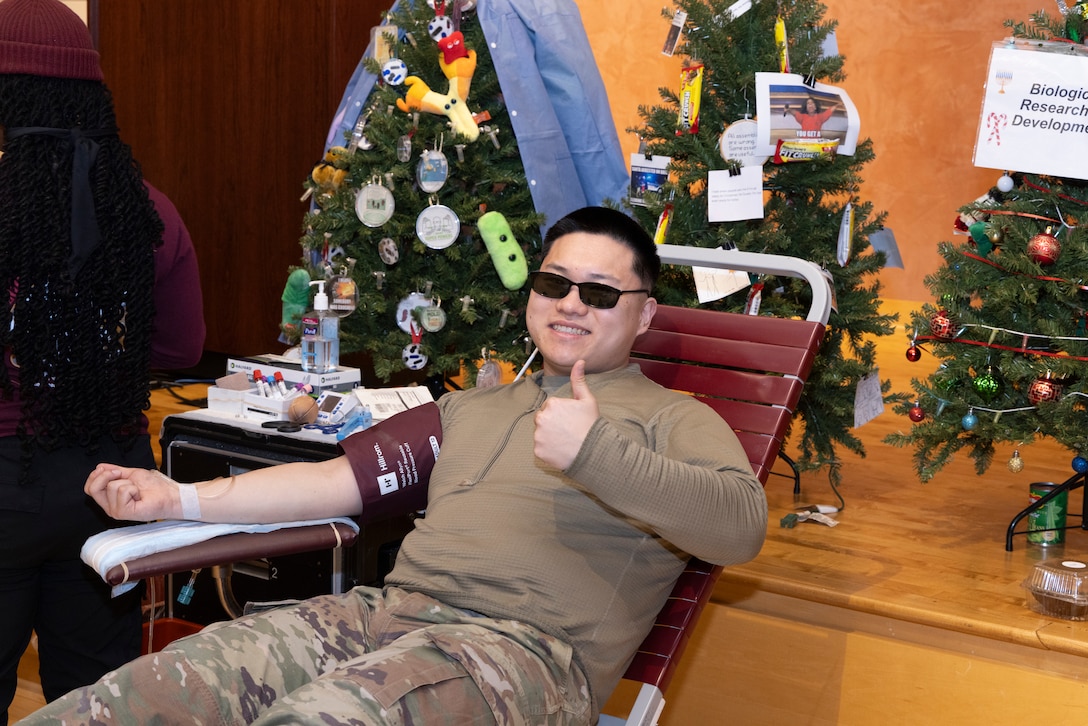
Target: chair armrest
232,548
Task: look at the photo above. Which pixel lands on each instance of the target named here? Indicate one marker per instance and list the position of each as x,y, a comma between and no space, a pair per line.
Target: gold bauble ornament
1016,464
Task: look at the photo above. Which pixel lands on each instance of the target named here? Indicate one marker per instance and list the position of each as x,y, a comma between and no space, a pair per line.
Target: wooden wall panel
226,105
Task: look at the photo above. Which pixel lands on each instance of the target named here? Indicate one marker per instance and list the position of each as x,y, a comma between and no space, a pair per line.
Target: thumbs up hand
562,424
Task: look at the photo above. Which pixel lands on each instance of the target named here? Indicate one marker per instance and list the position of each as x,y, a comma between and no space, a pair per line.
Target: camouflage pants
367,657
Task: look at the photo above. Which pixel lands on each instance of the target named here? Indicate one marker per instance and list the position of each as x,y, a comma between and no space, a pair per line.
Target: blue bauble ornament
1080,464
969,421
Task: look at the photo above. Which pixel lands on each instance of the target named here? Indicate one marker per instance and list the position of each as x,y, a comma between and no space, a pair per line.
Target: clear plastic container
1059,588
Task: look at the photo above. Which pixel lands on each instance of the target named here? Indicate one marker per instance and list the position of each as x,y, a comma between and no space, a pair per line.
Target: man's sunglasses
593,294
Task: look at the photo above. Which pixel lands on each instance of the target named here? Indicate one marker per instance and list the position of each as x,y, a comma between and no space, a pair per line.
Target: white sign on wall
1035,111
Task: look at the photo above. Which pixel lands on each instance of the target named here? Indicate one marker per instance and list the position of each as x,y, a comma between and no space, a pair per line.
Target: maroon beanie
45,38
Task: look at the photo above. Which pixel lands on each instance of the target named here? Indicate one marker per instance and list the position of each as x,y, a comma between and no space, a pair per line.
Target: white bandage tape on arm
190,501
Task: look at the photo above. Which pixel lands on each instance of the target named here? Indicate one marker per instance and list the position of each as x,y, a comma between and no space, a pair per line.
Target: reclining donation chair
750,369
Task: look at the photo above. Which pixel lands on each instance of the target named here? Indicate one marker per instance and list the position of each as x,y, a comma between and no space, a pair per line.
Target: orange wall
916,73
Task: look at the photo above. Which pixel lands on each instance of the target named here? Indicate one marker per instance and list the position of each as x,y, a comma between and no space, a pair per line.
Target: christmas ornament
489,375
987,384
1044,389
942,324
394,71
433,317
846,235
981,238
505,251
406,310
452,47
738,143
374,204
1005,184
439,28
412,355
945,381
344,293
439,6
914,354
977,230
691,92
1044,248
404,148
1015,464
1080,464
437,226
458,65
388,252
969,420
432,170
782,45
916,413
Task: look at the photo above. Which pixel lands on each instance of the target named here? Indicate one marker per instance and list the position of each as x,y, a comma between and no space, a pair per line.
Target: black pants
44,586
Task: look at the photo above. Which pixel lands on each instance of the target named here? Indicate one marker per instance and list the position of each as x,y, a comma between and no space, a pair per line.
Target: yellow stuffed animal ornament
326,176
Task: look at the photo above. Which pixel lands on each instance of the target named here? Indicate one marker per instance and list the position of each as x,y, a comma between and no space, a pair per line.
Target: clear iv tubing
526,366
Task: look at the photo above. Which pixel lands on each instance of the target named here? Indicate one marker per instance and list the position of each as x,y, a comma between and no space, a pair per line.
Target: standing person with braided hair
101,285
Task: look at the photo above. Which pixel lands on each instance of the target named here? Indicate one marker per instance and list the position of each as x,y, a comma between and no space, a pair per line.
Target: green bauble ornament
987,384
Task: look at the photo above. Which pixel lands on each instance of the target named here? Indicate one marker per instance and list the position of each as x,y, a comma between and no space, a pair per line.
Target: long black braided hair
76,343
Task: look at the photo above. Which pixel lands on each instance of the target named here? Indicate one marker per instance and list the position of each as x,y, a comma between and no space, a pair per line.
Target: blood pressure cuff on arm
392,462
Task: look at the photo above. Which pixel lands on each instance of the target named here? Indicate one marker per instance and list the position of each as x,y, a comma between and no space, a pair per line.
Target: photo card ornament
344,293
433,169
432,317
437,226
374,204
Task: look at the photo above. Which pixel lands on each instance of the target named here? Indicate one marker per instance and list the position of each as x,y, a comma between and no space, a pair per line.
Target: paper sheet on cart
114,546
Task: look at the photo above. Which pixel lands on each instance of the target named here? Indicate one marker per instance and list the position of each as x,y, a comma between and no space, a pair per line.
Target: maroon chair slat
739,354
723,382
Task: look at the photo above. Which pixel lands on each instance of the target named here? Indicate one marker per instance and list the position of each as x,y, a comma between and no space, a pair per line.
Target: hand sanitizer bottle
320,335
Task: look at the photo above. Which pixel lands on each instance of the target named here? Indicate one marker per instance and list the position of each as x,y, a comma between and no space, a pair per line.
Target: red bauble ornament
1044,248
1044,389
942,325
914,353
916,413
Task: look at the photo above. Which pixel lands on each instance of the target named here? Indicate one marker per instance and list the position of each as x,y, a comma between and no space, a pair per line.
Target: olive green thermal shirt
589,554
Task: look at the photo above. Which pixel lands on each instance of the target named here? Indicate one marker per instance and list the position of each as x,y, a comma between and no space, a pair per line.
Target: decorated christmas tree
806,193
1010,303
423,220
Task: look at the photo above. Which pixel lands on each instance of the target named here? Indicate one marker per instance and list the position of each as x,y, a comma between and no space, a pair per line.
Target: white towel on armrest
114,546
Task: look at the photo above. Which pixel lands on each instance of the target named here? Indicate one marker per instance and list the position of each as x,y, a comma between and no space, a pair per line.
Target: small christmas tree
397,206
804,202
1008,320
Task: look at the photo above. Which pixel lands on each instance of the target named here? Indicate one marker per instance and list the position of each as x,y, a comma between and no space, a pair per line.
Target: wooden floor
919,555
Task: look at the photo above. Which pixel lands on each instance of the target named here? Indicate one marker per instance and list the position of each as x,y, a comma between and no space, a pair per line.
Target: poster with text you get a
1035,111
